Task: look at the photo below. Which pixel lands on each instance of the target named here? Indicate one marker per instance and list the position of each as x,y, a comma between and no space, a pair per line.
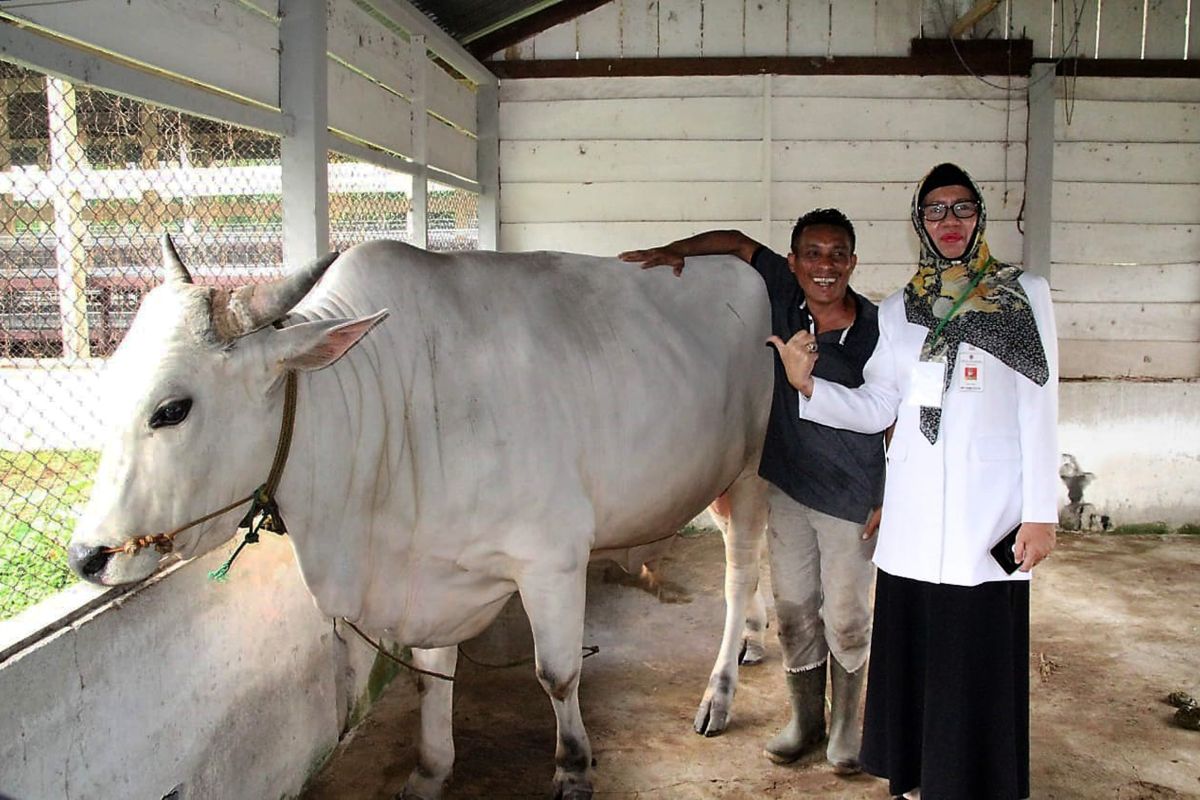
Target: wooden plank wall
603,165
1126,247
690,28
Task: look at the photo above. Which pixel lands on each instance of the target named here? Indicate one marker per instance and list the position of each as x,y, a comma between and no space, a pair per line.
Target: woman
967,366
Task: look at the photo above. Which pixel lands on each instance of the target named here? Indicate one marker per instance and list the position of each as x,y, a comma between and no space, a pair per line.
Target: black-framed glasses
963,209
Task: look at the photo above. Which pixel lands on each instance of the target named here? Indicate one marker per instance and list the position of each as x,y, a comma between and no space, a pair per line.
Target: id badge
970,371
925,384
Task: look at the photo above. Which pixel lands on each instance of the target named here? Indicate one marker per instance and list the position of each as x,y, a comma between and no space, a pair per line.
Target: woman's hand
872,526
799,355
1035,540
656,257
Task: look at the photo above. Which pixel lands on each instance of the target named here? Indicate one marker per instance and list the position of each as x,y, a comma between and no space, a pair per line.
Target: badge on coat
970,370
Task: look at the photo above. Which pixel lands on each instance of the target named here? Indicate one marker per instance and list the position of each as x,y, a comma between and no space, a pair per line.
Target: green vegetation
1190,529
1143,528
41,494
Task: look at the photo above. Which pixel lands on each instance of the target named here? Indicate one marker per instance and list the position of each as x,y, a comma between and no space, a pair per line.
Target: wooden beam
967,21
530,26
1127,67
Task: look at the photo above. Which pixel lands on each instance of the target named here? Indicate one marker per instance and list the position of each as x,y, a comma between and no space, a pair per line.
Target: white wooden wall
1126,240
603,165
233,47
679,28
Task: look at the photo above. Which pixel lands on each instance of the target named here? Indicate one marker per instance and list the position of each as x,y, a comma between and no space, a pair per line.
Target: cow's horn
173,269
248,308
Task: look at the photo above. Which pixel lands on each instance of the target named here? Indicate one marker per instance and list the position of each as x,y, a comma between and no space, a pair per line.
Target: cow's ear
315,345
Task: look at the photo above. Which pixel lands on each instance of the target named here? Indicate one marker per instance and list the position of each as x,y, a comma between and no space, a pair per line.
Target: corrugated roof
486,26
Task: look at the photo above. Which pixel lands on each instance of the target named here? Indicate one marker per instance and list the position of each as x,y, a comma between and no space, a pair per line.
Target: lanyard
962,298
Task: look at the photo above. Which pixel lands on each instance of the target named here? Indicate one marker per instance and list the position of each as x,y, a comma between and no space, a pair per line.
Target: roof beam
410,19
532,25
967,21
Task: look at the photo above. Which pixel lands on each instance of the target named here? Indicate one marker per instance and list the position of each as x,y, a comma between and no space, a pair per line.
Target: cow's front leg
753,649
743,544
435,747
554,603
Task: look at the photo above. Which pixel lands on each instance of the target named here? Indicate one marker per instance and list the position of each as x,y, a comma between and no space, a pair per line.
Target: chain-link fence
452,218
88,183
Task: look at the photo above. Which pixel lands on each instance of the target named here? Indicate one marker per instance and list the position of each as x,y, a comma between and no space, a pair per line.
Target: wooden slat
892,161
1172,90
599,32
897,22
268,7
1118,243
678,28
530,89
877,281
219,43
766,27
1031,20
684,118
367,111
1121,29
1163,203
880,201
1194,42
575,161
1126,359
852,29
698,201
557,42
357,38
722,31
1134,163
888,242
939,87
1116,121
1149,322
1085,45
451,150
808,28
639,29
896,119
1166,29
1102,283
451,99
603,238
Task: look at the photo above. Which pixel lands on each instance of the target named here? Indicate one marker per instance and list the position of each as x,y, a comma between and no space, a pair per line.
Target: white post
67,159
419,210
304,152
768,145
487,104
1039,172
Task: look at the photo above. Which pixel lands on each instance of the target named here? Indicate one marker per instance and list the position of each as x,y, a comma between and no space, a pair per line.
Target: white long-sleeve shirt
993,466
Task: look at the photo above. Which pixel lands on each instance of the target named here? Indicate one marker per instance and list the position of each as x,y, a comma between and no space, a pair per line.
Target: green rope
263,515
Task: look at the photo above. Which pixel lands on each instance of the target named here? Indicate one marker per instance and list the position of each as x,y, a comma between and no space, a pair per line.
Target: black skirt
948,689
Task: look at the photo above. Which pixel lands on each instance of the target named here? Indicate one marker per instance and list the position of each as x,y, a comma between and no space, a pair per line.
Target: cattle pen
261,134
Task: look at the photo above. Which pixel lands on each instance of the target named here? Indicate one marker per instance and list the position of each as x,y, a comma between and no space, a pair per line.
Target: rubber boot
806,691
845,723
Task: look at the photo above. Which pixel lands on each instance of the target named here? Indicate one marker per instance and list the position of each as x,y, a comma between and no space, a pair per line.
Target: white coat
993,466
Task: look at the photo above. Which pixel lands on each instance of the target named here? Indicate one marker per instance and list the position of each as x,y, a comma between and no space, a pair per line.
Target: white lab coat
994,465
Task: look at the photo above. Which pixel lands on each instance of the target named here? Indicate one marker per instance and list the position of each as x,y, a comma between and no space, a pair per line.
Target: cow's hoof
712,718
573,790
421,787
752,653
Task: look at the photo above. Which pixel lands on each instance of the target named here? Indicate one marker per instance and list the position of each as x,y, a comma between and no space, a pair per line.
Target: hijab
979,299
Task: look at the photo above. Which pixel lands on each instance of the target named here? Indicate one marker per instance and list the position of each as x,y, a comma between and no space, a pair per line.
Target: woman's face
951,233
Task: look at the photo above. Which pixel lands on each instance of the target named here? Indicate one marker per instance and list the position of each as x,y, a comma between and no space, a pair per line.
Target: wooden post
304,151
419,218
1039,172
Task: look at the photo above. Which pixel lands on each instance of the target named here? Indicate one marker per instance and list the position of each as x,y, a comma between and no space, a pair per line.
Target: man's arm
709,243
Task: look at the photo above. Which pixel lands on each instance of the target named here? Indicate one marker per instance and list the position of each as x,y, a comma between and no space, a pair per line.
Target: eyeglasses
963,209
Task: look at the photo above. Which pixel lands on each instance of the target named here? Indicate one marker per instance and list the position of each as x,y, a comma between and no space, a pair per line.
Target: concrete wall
234,690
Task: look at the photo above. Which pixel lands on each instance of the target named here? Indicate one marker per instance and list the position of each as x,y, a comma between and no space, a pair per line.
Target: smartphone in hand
1002,551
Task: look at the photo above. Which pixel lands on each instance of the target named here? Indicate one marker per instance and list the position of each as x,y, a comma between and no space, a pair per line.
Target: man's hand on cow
799,355
1035,540
872,526
656,257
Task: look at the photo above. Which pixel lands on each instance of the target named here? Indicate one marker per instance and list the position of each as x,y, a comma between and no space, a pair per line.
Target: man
825,484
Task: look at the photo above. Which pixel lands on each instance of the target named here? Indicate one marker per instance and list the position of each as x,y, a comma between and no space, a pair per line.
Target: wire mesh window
452,218
88,183
367,202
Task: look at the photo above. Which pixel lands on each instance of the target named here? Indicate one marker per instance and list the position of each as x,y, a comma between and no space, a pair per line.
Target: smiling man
825,483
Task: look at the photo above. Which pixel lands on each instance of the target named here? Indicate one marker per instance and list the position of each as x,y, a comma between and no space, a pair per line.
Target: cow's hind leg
554,603
754,648
435,748
743,545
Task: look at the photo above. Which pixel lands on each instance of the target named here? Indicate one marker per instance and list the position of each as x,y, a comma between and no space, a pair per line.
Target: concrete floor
1116,626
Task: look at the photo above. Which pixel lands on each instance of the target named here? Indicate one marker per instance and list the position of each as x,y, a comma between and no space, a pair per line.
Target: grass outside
41,494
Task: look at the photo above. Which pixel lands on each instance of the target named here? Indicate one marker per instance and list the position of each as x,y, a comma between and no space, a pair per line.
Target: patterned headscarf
994,316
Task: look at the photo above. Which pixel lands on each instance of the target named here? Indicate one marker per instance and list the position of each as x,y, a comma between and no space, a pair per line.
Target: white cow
514,415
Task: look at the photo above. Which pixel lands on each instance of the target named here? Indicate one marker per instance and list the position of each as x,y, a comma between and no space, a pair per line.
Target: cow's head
191,406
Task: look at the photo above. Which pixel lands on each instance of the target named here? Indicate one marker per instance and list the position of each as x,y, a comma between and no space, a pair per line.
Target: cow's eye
171,413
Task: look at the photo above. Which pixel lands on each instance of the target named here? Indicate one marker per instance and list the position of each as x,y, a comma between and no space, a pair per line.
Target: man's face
822,262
